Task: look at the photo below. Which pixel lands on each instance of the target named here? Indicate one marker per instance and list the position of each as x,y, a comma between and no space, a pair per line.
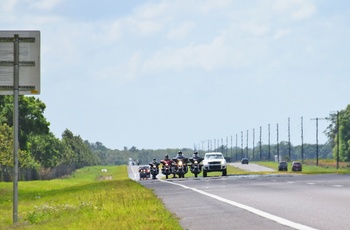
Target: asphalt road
288,201
252,167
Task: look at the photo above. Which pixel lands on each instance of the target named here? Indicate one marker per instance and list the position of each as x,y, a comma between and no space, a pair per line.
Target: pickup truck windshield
214,156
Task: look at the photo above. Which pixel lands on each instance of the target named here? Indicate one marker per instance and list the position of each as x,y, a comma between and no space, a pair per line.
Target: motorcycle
195,166
181,167
154,170
144,172
167,167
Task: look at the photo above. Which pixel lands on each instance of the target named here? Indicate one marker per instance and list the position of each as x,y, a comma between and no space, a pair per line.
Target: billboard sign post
19,75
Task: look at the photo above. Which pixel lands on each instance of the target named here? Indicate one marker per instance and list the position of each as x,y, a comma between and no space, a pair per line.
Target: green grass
89,199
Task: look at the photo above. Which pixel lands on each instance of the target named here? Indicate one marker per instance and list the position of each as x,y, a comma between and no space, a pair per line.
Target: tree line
40,149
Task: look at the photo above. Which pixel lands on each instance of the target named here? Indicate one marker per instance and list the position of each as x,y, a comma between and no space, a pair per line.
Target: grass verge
89,199
309,167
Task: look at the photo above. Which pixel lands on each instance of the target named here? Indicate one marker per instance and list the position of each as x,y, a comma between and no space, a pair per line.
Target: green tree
30,118
46,149
6,150
83,156
340,122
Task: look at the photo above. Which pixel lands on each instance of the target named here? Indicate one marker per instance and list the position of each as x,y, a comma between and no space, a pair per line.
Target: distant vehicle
296,166
131,162
145,172
244,161
214,162
282,166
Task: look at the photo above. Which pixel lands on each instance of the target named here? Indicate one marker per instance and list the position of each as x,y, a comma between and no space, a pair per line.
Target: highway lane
252,167
258,202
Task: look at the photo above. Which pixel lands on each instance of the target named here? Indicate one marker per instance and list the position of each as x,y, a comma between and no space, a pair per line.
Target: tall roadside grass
89,199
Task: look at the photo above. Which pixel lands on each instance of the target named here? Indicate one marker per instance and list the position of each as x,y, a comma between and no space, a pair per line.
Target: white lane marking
133,171
338,185
248,208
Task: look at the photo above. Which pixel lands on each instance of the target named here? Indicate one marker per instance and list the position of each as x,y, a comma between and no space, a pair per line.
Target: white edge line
133,171
248,208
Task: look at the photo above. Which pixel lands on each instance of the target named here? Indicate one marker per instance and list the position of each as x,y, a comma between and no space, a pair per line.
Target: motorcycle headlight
196,162
166,164
180,163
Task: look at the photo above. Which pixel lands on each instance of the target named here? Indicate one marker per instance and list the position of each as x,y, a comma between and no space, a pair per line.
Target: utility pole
260,143
338,139
253,143
289,138
317,136
236,147
269,143
278,150
302,141
242,143
247,145
231,148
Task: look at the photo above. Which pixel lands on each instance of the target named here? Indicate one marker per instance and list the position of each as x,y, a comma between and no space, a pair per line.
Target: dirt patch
105,178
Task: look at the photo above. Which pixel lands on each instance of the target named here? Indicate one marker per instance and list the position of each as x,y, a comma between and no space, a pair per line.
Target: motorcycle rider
180,156
196,157
168,161
154,163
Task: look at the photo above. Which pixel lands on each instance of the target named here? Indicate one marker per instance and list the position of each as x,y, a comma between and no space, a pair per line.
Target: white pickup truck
214,162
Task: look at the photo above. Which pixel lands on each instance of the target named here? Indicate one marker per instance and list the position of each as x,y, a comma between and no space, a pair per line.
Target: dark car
282,166
144,171
244,161
296,166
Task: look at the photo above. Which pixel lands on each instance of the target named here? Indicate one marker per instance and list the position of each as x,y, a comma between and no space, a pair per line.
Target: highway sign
28,63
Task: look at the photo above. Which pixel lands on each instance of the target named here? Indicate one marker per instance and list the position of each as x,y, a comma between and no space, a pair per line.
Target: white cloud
306,10
296,9
146,27
151,10
44,4
254,29
281,33
209,5
204,56
111,31
181,31
7,5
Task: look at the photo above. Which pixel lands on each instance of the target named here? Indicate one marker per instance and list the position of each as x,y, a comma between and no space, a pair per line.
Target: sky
177,74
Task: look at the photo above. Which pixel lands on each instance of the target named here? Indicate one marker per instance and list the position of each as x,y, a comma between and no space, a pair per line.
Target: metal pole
260,143
242,143
302,140
253,143
236,147
338,140
15,127
269,143
289,147
247,144
231,149
278,150
317,141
